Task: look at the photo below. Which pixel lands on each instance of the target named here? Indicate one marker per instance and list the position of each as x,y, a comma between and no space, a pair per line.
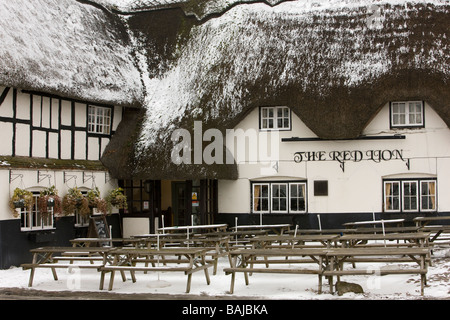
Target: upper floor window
407,114
99,120
275,118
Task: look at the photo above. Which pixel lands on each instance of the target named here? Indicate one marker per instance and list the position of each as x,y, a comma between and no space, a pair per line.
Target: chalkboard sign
98,228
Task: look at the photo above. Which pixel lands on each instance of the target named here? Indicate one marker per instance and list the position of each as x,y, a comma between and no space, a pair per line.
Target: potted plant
116,198
95,201
21,198
48,198
74,200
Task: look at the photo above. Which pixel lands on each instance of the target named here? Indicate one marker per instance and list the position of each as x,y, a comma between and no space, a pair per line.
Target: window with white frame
279,197
34,220
410,195
99,120
407,114
275,118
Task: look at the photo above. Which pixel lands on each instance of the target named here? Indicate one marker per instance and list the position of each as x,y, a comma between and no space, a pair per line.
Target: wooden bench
337,257
43,258
248,257
127,260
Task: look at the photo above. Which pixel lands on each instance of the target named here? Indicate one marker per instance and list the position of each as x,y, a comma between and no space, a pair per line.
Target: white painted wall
359,187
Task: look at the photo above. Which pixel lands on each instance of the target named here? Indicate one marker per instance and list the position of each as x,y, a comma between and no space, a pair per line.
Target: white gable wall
358,186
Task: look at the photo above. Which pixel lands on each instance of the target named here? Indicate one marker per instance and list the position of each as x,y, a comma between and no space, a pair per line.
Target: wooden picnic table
243,260
86,242
44,257
276,228
186,260
423,223
337,256
329,262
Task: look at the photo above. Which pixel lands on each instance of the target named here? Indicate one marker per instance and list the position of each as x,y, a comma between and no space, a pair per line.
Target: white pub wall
357,187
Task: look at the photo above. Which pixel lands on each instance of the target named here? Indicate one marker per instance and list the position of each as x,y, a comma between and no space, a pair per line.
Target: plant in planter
116,198
94,200
74,200
48,198
21,198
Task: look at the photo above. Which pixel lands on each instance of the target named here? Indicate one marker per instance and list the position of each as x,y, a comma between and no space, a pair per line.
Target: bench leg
102,280
320,284
188,285
55,276
30,281
111,280
233,278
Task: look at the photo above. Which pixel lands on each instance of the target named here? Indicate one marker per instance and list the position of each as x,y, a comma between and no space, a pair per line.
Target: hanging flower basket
74,200
49,199
116,198
20,199
94,200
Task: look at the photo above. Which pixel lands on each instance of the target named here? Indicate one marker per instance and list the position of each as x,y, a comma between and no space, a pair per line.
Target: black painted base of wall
327,220
15,244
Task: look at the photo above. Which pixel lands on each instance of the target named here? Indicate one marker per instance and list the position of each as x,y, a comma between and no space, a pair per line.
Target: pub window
99,120
407,114
34,220
279,197
138,195
275,118
410,195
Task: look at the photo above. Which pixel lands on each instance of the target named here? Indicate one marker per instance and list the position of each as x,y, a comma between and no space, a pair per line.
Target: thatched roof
67,48
335,63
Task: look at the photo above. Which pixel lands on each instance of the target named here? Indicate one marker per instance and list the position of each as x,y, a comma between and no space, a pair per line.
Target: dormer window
275,118
407,114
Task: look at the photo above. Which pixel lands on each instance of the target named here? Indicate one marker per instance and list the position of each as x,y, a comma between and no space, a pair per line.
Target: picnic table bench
291,241
86,242
44,258
276,228
337,256
186,260
243,260
383,222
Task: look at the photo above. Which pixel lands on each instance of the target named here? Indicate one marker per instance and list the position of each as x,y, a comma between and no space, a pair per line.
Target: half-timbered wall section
45,126
48,140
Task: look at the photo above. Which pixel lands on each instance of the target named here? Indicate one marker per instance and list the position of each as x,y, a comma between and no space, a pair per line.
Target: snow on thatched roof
67,48
334,63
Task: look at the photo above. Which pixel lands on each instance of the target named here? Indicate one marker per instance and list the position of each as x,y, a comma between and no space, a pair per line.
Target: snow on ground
265,286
